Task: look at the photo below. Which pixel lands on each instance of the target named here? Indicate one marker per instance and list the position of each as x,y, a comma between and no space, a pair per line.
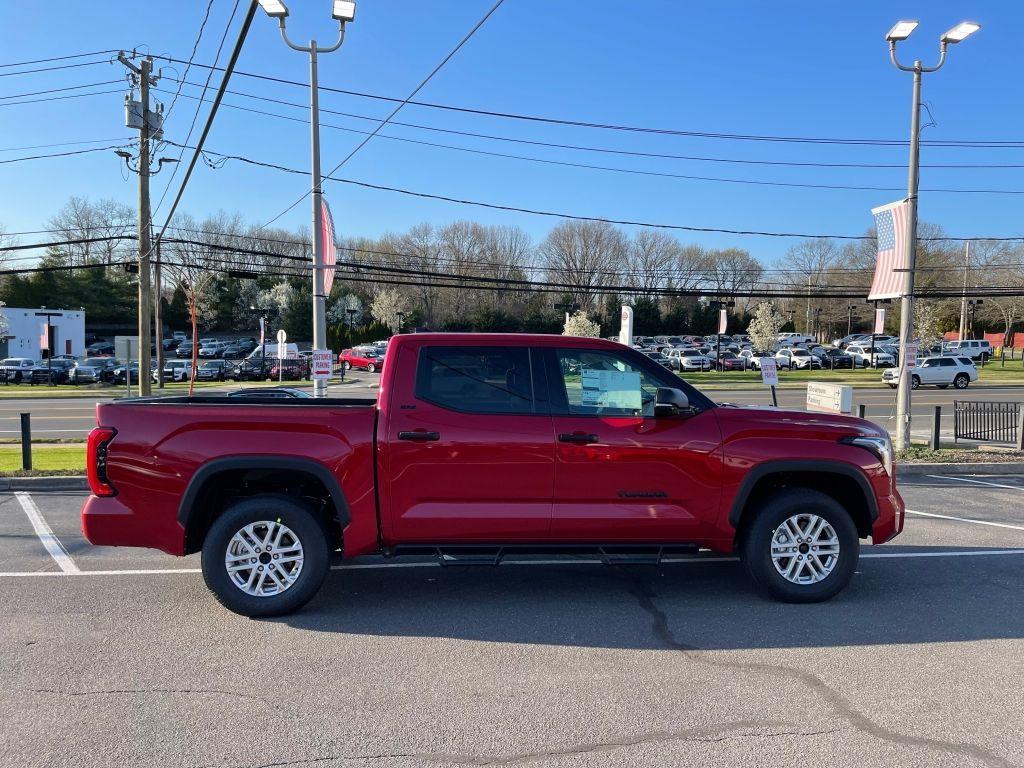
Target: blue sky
784,68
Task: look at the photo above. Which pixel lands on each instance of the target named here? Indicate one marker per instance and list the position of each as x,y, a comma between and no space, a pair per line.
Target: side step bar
609,554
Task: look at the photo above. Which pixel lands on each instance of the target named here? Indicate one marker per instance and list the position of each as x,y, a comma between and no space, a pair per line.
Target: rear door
468,449
622,474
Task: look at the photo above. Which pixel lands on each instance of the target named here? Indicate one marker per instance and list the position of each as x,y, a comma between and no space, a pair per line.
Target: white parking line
966,520
45,534
567,561
977,482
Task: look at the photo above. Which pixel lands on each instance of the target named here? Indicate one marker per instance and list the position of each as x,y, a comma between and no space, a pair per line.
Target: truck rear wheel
802,546
266,555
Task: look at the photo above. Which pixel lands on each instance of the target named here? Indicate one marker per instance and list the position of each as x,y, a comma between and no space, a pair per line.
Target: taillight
96,461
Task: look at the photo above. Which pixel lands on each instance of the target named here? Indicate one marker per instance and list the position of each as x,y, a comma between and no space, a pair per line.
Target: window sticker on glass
611,389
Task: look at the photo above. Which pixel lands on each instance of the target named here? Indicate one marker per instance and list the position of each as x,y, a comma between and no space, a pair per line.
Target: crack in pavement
172,691
843,708
706,735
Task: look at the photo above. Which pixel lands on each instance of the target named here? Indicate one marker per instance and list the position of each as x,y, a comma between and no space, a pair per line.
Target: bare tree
82,219
583,254
732,271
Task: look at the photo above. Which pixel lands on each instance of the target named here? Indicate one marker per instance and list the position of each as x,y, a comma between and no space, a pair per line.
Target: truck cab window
476,379
604,384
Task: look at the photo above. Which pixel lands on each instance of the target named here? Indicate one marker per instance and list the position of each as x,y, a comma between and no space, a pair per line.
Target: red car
730,362
370,358
293,369
488,446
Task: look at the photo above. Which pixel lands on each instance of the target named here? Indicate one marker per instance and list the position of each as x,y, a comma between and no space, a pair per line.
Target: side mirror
671,402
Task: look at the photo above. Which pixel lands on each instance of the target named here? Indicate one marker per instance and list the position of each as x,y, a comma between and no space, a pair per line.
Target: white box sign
829,398
769,372
322,362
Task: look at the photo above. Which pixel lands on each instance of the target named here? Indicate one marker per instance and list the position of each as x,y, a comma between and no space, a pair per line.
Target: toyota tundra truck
485,446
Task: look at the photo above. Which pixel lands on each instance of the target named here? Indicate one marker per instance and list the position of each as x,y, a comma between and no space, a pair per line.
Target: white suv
862,356
978,349
940,371
687,360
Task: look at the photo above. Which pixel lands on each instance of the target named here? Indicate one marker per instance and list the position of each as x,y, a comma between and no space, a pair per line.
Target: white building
28,330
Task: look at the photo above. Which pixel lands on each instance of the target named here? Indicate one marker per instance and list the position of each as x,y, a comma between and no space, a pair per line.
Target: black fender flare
289,463
824,467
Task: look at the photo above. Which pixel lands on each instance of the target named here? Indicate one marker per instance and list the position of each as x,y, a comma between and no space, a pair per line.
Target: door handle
419,436
578,438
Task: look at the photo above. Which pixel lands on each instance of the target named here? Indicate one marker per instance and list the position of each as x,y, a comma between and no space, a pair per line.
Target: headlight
878,445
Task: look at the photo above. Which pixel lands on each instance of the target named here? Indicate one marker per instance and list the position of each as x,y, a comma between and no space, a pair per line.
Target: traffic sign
323,364
910,355
282,348
769,371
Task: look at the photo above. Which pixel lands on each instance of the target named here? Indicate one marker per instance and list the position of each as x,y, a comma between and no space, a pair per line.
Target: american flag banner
330,249
891,225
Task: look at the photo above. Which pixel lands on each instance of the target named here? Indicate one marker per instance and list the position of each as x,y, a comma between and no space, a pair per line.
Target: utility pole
963,299
143,74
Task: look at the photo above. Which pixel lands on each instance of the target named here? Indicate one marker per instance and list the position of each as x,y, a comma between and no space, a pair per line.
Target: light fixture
125,155
275,9
344,10
961,31
901,30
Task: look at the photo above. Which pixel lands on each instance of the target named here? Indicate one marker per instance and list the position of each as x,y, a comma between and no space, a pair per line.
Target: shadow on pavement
707,605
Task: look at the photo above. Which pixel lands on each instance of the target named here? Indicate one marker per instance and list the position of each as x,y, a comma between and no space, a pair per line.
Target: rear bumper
108,522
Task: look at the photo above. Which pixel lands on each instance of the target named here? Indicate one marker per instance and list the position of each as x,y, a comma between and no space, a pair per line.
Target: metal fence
989,421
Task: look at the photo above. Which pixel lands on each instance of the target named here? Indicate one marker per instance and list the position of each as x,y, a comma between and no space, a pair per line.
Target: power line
242,33
960,143
62,154
61,98
51,69
58,90
401,104
57,58
65,144
192,56
558,145
195,117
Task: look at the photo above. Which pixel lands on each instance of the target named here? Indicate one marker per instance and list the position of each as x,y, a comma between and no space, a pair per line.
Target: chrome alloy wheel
805,549
264,558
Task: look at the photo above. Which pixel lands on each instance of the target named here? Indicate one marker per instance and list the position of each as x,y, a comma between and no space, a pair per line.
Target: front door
621,473
468,453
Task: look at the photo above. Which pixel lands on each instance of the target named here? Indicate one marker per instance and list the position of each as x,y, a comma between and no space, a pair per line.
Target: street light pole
901,31
343,12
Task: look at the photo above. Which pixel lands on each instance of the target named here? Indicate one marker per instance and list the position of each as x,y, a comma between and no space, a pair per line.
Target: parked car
790,338
976,349
863,356
17,369
53,371
659,358
753,358
367,357
419,469
212,370
730,361
937,371
275,393
799,358
294,369
93,370
179,335
99,349
252,369
836,358
176,370
233,351
119,373
688,360
211,349
184,349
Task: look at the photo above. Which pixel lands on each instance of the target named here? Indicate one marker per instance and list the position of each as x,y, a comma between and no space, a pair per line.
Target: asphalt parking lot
120,657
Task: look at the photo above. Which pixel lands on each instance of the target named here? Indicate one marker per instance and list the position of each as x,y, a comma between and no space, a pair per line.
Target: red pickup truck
481,446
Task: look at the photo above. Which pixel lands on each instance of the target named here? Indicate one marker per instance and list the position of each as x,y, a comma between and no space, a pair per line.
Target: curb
952,468
53,483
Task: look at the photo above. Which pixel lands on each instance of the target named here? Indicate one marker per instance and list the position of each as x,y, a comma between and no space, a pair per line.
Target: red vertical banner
723,320
879,320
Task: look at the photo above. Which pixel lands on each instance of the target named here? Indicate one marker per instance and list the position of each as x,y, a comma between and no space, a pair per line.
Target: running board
609,554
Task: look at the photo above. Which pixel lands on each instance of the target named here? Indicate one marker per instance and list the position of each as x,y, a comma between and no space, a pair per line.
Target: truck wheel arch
195,518
852,491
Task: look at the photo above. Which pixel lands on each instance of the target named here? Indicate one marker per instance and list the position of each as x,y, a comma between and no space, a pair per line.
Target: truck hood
785,422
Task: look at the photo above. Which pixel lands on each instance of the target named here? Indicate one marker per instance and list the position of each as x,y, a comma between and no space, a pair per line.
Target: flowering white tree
579,324
927,322
388,307
5,325
764,328
339,311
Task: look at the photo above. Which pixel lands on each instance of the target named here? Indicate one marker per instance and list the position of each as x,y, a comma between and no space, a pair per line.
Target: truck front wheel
801,547
266,555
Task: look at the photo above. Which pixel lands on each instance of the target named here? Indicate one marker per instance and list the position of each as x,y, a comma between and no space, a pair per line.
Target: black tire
915,382
961,381
892,386
756,553
278,508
